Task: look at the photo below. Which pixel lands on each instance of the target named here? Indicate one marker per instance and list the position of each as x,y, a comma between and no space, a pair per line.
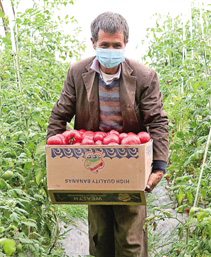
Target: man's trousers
117,231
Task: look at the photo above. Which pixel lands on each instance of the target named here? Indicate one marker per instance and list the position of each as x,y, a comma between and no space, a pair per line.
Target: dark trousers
117,231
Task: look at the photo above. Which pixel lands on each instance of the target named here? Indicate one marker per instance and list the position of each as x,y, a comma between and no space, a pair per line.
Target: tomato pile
86,137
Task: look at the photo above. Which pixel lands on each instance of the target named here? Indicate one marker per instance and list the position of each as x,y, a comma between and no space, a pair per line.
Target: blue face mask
110,58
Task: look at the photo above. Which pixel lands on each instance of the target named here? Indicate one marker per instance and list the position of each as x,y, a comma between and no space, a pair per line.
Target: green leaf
18,21
29,224
30,145
25,240
15,217
40,147
204,193
22,255
3,184
168,51
189,197
168,214
39,175
181,208
27,166
201,215
180,196
8,246
36,114
1,15
183,179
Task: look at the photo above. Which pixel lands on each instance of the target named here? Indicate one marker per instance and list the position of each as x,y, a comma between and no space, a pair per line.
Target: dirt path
161,239
76,241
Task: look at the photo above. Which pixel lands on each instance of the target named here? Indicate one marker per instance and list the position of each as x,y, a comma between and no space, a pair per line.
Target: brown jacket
140,101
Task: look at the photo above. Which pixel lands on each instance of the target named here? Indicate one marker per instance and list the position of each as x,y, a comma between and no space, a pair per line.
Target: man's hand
153,180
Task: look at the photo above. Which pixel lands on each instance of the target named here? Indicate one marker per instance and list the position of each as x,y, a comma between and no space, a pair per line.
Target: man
110,92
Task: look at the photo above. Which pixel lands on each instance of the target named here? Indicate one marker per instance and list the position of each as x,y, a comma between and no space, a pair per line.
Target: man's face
107,40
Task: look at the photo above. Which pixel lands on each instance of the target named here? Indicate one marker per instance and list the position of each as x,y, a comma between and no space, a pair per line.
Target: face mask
110,58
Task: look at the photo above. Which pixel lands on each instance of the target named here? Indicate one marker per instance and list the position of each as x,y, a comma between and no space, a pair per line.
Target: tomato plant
28,220
179,52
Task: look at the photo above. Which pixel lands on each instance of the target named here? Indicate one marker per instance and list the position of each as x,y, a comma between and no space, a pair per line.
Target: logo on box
93,161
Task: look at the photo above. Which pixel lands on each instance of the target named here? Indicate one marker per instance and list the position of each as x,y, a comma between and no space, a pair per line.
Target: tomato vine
179,50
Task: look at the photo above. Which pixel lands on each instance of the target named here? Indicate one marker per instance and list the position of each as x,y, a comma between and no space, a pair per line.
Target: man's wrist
159,166
154,171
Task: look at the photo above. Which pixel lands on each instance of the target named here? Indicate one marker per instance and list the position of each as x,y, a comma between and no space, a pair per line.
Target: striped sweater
110,112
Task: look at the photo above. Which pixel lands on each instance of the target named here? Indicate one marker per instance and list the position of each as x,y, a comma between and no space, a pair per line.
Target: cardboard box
98,174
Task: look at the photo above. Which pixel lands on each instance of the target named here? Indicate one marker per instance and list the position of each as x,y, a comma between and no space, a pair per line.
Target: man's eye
117,46
104,45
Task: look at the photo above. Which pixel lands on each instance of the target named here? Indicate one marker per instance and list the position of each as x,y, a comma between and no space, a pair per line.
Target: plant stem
14,40
187,237
56,235
202,169
3,19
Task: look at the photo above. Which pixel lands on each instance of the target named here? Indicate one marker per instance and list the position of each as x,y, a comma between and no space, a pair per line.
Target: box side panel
91,168
148,160
98,198
145,163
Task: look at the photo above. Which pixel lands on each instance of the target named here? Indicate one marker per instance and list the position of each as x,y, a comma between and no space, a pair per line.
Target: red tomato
144,137
55,140
98,142
99,135
87,141
72,136
113,131
122,135
62,137
131,133
111,138
81,131
131,140
88,133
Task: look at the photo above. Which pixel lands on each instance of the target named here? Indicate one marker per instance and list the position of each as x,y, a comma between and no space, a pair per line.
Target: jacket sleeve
155,118
64,109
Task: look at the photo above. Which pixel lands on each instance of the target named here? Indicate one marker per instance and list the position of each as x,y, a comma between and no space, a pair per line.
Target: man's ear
93,43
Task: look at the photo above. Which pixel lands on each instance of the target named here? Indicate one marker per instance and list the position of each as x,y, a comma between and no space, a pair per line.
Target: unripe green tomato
7,175
19,247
